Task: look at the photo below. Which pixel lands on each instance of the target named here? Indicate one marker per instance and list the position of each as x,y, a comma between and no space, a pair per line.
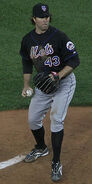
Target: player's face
41,24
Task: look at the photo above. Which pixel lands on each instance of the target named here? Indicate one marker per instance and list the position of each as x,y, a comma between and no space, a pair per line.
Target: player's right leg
38,108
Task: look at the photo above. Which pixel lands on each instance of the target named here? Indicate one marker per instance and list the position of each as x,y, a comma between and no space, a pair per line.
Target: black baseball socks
56,139
39,137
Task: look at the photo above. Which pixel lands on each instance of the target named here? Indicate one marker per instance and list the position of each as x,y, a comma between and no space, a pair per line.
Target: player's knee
57,124
55,118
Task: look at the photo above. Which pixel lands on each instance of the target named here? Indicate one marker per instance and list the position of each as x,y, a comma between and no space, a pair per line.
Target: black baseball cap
41,10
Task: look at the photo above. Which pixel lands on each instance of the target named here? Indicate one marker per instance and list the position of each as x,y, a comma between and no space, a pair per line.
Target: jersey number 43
54,61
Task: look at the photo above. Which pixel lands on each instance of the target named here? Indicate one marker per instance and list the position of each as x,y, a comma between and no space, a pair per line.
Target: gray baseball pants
57,102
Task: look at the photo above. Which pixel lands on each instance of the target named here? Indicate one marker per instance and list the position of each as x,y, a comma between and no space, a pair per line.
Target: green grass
72,17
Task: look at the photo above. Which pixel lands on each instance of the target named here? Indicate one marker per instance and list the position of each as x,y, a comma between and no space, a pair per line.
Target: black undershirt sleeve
26,61
27,66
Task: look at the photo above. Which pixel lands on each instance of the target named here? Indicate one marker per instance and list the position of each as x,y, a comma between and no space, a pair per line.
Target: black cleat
56,171
36,153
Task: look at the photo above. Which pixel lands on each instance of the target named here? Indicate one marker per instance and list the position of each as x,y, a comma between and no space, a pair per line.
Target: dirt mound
76,157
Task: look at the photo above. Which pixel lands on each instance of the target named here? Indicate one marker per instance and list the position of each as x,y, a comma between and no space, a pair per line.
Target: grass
72,17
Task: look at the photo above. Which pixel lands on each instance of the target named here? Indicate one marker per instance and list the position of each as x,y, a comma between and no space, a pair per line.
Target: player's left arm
71,64
69,56
65,71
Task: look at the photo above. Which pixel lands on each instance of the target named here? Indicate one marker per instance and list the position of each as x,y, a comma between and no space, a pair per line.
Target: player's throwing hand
27,92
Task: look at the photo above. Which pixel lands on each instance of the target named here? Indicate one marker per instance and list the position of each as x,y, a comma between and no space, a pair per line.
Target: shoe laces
35,149
55,167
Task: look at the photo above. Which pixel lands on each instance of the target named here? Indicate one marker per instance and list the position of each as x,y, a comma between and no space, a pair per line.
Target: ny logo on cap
43,8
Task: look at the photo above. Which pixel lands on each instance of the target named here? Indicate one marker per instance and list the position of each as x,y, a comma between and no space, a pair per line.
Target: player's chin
45,27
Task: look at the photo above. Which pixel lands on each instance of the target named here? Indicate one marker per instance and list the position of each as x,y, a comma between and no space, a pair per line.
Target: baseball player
54,57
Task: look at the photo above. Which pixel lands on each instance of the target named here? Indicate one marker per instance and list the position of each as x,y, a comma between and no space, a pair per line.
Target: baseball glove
47,83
